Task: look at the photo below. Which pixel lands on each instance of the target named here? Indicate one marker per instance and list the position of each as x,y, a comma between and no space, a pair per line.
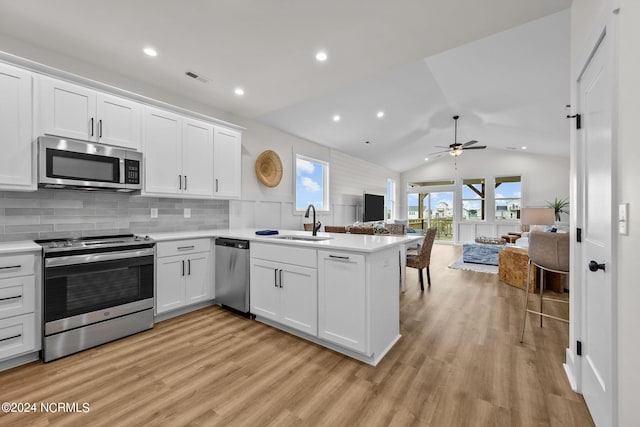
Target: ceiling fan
456,148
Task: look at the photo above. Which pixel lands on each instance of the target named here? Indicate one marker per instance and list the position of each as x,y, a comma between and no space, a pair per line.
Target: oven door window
82,166
71,290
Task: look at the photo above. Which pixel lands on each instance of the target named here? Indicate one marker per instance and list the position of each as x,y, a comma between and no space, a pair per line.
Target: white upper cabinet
74,111
178,155
227,151
16,166
119,121
197,157
162,149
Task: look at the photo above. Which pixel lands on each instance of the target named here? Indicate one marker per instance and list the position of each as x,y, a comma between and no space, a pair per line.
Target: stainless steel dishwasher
232,274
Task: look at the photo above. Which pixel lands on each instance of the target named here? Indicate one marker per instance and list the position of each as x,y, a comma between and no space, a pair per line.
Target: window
433,209
391,199
508,196
312,183
473,199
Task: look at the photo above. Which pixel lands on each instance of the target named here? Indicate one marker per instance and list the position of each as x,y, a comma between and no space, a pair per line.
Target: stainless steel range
96,289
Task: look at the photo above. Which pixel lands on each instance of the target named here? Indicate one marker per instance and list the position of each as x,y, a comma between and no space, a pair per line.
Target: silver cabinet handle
216,185
180,180
185,182
91,126
10,338
275,277
11,266
182,248
339,257
8,298
280,278
183,267
100,128
189,267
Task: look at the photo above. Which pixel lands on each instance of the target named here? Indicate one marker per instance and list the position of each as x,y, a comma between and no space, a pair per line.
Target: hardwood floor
459,363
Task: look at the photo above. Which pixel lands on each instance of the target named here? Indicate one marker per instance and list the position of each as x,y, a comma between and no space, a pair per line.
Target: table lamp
536,216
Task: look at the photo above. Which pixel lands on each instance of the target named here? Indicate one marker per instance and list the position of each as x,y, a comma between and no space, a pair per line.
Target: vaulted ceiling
502,65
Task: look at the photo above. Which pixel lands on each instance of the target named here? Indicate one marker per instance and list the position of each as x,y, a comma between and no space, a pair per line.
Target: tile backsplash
47,214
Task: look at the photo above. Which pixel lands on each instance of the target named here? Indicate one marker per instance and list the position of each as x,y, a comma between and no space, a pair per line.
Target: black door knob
594,266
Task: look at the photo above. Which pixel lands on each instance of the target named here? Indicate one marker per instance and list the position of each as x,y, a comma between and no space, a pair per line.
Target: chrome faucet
316,226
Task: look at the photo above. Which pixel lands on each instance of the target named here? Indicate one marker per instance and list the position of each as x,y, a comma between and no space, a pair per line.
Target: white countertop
337,241
19,246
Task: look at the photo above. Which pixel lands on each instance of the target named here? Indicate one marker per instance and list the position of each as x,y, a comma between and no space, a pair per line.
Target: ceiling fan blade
477,147
438,152
466,144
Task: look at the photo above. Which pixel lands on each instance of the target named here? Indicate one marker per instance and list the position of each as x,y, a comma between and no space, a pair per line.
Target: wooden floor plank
459,362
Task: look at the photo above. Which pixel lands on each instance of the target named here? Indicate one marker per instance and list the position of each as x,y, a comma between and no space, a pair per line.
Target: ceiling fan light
455,152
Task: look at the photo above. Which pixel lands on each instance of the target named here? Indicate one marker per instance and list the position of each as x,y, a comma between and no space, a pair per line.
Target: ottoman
481,253
513,262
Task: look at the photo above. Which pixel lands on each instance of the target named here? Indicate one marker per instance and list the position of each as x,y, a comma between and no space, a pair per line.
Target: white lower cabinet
184,279
342,299
18,323
282,292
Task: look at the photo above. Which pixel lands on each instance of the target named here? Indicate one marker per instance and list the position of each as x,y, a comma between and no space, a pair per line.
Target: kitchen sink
302,238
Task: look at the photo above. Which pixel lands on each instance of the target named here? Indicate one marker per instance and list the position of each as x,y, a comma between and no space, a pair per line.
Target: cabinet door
227,146
299,298
119,121
170,283
68,110
162,147
17,335
198,277
16,171
197,158
342,299
264,290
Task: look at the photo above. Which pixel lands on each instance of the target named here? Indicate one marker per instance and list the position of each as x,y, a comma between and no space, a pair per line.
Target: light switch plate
623,220
154,212
187,212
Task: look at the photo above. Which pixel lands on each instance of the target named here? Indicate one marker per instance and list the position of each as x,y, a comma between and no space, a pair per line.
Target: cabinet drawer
285,253
16,265
17,335
17,296
183,247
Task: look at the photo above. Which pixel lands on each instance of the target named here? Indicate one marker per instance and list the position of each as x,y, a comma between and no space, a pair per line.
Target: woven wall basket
269,168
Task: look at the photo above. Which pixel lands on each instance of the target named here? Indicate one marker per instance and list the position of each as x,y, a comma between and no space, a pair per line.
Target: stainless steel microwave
74,164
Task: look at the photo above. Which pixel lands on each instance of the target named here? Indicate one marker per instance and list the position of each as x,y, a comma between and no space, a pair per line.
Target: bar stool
550,252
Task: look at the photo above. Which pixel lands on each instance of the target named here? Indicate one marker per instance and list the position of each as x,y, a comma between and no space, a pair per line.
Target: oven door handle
88,258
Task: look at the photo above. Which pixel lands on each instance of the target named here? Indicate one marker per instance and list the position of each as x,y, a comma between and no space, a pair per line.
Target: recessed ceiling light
524,147
426,159
321,56
239,91
336,118
380,114
149,51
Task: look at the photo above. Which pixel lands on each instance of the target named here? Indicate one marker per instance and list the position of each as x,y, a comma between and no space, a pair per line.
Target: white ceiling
508,81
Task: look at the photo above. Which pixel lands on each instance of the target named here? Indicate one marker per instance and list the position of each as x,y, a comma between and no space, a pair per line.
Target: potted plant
559,206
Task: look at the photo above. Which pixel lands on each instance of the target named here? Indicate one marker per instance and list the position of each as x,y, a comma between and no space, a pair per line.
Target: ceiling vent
198,77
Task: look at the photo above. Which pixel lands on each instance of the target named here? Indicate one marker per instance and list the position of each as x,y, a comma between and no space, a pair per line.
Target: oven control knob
136,238
68,243
147,238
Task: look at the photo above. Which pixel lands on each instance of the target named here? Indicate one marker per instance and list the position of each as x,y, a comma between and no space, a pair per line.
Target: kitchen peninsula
338,290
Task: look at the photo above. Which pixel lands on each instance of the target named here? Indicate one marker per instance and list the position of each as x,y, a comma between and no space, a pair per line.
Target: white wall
264,207
628,173
543,179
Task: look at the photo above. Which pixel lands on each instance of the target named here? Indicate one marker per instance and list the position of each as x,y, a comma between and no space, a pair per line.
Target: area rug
482,268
